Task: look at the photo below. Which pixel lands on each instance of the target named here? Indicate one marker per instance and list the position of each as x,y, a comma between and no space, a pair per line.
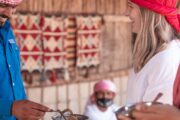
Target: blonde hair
154,35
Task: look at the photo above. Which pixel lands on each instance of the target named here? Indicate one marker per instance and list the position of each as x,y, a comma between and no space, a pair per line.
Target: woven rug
28,34
54,42
88,41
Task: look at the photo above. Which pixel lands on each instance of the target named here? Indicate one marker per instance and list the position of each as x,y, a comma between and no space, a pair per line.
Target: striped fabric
71,42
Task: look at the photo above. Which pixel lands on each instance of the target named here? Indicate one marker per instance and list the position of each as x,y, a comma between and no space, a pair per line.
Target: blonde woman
156,55
156,50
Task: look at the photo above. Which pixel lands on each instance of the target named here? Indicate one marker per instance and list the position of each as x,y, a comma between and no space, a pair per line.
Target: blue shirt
11,86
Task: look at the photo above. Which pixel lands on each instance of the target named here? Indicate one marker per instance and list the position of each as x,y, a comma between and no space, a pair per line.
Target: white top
94,113
158,75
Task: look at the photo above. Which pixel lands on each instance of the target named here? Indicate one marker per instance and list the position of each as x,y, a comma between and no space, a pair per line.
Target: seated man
100,106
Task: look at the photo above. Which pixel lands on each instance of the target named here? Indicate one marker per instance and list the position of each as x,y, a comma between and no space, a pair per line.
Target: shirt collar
6,25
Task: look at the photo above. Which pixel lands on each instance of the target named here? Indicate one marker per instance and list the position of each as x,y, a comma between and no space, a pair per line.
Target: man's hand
156,112
27,110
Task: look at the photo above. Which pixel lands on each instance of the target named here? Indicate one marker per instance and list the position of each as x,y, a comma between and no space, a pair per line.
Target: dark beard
3,18
2,24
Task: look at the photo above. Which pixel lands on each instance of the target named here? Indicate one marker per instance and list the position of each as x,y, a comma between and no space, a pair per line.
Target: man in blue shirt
13,103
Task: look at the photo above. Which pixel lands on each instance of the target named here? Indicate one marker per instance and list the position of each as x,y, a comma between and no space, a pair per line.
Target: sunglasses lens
67,115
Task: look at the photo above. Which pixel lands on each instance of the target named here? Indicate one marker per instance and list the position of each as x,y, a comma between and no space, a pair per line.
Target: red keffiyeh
11,2
176,99
166,8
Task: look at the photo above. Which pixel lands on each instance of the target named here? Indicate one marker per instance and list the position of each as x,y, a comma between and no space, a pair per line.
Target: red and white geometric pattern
54,42
88,40
28,34
49,43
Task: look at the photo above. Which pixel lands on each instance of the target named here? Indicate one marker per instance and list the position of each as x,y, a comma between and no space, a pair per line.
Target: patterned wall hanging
88,40
54,42
57,44
28,34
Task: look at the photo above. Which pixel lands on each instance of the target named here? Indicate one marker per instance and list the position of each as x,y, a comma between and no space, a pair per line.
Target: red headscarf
176,99
166,8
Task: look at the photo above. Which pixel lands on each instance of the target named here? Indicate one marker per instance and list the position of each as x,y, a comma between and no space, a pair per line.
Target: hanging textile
28,34
88,41
71,41
54,42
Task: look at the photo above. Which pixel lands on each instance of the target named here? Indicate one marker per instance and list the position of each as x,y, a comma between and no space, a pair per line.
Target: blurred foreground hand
154,112
28,110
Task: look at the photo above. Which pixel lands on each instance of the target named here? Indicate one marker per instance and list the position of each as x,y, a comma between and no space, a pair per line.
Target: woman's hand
156,112
121,117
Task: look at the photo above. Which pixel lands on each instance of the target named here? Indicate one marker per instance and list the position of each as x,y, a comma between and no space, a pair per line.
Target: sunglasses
67,114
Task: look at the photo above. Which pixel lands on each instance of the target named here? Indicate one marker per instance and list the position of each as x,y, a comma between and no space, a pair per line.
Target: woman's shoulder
166,60
170,55
173,49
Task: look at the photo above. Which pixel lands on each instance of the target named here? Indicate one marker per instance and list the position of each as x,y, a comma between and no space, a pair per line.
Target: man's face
6,12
